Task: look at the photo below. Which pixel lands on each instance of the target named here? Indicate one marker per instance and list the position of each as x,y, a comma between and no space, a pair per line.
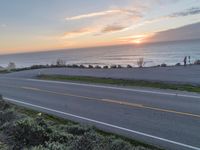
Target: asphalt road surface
167,119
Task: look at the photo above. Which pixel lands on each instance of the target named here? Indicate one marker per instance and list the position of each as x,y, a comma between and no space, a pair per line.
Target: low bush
42,133
105,67
98,67
178,64
90,66
29,132
77,129
81,66
140,62
3,104
61,137
163,65
119,66
119,145
88,141
49,146
6,116
75,66
60,62
113,66
3,146
129,66
197,62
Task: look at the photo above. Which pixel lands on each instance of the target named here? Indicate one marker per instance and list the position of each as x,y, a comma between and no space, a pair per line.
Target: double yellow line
135,105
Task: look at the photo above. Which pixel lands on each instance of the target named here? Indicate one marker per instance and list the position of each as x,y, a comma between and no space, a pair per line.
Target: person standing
189,60
185,61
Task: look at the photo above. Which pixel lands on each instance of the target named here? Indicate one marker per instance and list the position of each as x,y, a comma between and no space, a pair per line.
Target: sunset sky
34,25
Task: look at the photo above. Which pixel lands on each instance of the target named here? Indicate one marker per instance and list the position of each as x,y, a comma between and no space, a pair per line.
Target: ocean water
153,54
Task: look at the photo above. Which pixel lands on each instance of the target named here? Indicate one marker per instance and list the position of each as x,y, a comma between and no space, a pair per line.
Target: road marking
111,87
122,102
31,88
117,88
104,123
115,102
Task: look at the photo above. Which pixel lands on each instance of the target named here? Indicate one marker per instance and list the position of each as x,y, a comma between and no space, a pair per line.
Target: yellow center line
115,102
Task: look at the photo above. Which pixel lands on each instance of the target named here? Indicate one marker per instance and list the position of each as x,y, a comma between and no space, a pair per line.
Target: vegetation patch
122,82
25,129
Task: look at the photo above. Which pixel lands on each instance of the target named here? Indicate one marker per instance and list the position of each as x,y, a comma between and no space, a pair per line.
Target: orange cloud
112,28
78,32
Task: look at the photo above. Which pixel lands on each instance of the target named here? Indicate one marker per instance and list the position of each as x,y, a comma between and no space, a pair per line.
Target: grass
4,71
122,82
25,129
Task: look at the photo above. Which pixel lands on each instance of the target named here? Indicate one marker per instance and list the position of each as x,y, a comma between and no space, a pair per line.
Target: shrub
3,104
90,66
6,117
197,62
81,66
49,146
113,66
11,66
55,146
3,146
98,67
119,145
61,137
105,67
163,65
129,66
30,132
36,67
77,129
75,66
89,141
140,62
60,62
119,66
178,64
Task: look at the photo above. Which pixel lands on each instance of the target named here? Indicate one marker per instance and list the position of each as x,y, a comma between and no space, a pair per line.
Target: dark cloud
112,28
187,32
191,11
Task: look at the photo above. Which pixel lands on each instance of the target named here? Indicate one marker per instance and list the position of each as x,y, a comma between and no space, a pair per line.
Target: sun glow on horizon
138,41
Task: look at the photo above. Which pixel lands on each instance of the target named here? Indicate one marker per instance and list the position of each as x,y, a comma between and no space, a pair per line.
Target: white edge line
110,87
117,88
105,124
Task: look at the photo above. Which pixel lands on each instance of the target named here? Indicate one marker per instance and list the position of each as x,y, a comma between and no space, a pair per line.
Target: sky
38,25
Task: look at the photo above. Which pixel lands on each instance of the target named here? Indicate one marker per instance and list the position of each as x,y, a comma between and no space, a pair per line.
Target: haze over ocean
153,54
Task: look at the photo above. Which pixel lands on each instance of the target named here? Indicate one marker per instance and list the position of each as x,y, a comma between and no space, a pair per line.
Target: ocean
153,54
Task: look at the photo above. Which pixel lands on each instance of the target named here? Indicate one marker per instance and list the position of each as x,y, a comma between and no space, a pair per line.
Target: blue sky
33,25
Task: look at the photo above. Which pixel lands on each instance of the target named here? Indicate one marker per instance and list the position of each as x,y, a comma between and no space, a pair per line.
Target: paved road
181,74
163,118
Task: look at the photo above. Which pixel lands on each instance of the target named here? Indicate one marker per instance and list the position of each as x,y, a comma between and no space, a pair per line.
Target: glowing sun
137,41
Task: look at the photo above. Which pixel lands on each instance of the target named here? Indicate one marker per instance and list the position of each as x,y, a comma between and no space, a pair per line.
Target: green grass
53,122
58,120
122,82
4,71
